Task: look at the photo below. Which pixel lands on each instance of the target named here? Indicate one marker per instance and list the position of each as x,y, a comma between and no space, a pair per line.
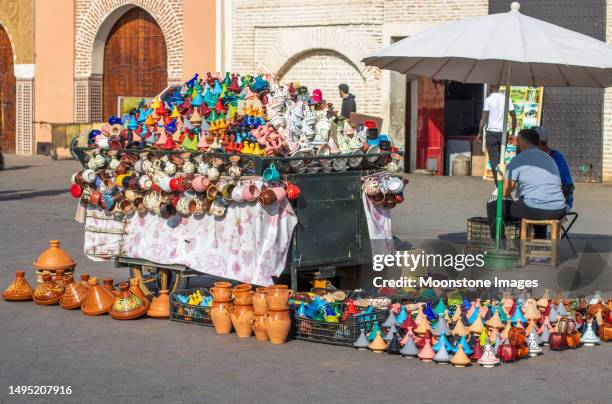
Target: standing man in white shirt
493,118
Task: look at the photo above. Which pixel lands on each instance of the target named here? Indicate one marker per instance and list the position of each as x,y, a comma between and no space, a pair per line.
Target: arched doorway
135,59
7,94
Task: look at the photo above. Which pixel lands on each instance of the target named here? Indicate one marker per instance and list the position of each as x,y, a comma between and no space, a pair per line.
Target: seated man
536,177
567,182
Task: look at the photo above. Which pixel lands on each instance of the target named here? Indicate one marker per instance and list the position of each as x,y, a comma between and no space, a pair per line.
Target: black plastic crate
343,333
188,313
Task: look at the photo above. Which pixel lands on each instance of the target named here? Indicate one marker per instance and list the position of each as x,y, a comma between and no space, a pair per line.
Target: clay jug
221,317
107,283
243,295
160,306
127,305
134,286
74,294
258,323
222,292
278,324
98,300
49,292
260,307
241,316
19,290
278,297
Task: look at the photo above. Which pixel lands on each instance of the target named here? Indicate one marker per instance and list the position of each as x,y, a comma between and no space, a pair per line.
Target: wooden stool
550,245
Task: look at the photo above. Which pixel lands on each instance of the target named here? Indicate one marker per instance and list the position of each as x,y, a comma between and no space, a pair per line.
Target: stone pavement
104,360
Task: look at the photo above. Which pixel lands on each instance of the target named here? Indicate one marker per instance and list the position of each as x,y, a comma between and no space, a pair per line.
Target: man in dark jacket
348,101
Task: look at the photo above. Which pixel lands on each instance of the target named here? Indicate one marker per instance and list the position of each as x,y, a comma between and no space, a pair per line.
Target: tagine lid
19,289
54,258
127,306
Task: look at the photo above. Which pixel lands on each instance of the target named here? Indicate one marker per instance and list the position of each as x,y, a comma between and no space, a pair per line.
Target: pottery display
378,344
54,258
426,354
19,290
160,305
98,299
48,292
260,306
362,342
460,359
278,297
135,288
128,305
74,294
409,350
488,358
222,292
442,355
278,324
258,323
241,316
221,317
60,278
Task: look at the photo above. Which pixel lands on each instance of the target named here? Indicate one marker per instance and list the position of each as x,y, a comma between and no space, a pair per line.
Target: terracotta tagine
48,292
241,316
134,286
107,283
222,292
127,305
19,290
74,294
258,323
378,345
54,258
98,300
278,324
221,317
260,307
278,297
243,295
160,306
460,359
84,279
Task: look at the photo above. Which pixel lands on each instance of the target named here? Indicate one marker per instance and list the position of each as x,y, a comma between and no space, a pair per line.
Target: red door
135,59
430,125
7,94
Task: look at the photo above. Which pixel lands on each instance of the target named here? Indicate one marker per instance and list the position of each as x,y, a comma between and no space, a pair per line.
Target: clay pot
241,319
127,305
60,278
160,306
48,292
98,300
74,294
278,297
108,285
222,292
267,197
84,279
243,295
135,289
19,290
278,325
54,258
260,307
258,323
221,317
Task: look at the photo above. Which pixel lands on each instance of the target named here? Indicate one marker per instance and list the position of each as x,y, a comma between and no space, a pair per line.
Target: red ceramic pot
507,353
267,197
76,190
557,342
293,191
177,184
94,197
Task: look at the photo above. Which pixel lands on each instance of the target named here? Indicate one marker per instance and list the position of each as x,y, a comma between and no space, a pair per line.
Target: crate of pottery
191,306
332,325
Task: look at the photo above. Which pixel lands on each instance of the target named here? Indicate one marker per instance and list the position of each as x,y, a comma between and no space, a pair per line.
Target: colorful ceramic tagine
258,323
260,307
391,320
84,279
423,327
409,350
241,316
460,329
488,358
442,355
460,359
393,347
160,305
98,299
506,352
378,345
477,326
278,324
426,354
48,292
127,305
375,329
533,344
589,336
222,292
221,317
389,335
60,278
74,294
441,327
135,288
19,290
54,258
362,342
476,352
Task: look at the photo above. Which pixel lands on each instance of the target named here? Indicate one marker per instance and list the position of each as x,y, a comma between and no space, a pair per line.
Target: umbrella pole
502,163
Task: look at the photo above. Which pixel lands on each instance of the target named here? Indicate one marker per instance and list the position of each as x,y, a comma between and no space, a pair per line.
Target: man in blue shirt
567,182
535,176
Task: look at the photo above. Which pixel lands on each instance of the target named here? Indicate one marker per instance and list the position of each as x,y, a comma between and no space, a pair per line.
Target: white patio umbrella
505,48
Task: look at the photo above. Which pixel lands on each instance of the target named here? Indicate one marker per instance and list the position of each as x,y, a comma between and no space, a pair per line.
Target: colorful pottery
74,294
278,325
48,293
258,323
222,292
533,344
127,305
442,355
426,354
260,306
378,345
221,317
278,297
460,359
19,290
134,286
488,358
160,305
393,347
409,350
98,299
362,342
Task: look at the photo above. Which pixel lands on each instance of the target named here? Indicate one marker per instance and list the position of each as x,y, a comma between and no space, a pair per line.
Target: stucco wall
17,18
199,37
